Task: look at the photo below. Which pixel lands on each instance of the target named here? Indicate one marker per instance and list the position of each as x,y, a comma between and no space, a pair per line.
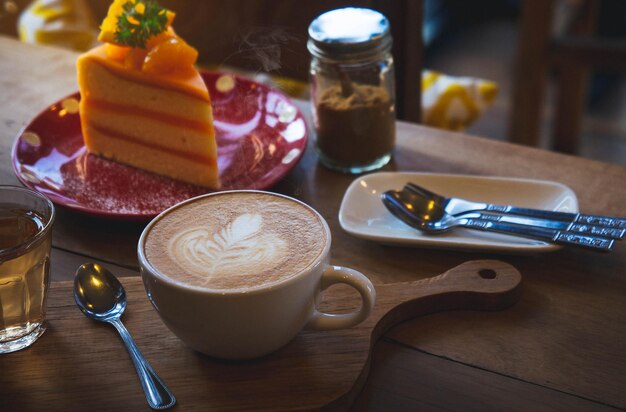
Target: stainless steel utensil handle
469,206
567,227
157,394
597,244
606,221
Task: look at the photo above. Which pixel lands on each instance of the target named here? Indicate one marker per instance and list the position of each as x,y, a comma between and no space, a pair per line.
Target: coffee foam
238,240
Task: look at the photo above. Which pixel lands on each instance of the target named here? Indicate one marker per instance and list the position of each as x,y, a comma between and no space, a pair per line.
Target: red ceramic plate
261,135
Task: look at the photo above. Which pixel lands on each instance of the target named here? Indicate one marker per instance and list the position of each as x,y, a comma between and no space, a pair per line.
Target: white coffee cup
257,319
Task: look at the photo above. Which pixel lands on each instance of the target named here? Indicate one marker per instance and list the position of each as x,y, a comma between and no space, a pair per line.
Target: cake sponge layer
167,132
194,169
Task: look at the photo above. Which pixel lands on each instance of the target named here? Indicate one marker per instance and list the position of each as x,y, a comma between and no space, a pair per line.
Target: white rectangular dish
363,214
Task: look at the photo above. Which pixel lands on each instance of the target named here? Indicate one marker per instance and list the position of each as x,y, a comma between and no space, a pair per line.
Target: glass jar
352,89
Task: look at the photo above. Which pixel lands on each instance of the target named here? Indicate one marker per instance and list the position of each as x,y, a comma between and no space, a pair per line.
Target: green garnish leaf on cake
139,21
132,22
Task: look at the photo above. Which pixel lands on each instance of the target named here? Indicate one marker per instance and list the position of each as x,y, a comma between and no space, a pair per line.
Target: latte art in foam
235,241
240,247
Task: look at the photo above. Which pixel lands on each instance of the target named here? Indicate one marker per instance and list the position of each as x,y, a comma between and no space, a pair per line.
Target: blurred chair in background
557,36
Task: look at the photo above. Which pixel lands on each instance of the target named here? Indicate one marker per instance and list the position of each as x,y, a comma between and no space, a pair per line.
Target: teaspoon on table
100,296
430,217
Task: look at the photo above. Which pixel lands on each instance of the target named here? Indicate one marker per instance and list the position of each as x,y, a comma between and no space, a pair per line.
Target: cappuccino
235,240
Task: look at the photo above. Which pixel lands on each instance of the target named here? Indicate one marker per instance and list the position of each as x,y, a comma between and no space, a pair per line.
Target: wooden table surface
561,347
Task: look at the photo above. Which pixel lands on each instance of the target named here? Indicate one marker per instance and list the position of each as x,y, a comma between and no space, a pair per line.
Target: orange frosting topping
165,53
188,81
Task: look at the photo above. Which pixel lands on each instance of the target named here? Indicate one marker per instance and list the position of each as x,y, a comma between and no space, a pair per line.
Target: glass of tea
26,219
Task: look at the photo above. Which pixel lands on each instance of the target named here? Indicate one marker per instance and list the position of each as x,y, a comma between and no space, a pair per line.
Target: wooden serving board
79,364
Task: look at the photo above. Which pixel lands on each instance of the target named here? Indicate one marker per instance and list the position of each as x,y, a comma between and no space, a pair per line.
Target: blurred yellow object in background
453,103
65,23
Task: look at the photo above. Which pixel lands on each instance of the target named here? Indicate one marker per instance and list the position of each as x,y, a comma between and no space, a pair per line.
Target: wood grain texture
565,334
318,369
578,345
63,265
402,379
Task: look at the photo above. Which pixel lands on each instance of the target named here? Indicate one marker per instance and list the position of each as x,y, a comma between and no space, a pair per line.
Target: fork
605,226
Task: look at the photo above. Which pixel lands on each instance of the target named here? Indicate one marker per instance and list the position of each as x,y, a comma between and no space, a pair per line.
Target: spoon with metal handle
455,206
433,219
420,200
424,206
100,296
574,228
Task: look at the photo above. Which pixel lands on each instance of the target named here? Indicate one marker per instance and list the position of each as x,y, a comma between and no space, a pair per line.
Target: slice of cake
142,101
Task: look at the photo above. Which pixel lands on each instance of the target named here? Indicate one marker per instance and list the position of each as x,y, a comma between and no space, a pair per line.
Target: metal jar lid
349,32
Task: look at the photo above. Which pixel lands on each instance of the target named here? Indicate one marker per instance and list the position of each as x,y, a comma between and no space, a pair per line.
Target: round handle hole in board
487,273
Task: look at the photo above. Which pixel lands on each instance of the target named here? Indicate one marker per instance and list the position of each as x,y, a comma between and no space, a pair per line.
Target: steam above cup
237,274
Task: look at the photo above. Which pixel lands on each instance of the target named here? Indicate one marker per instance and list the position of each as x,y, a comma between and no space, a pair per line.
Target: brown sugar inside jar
352,89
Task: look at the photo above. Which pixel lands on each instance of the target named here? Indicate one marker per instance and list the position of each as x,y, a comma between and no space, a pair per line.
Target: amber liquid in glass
23,275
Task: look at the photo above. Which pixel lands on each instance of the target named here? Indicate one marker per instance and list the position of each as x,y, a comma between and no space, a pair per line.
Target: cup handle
339,274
